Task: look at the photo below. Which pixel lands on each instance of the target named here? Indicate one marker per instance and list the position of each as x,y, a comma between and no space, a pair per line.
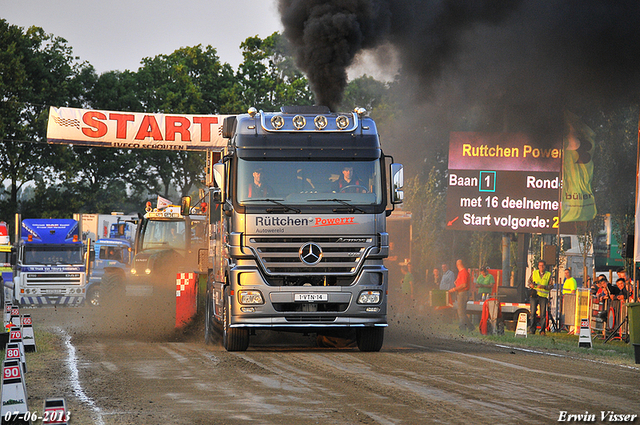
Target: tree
425,200
365,92
191,80
268,77
36,70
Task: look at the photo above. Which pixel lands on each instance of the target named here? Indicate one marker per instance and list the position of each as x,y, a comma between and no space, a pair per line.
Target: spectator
448,278
539,297
485,283
570,286
604,297
461,288
436,277
407,280
628,284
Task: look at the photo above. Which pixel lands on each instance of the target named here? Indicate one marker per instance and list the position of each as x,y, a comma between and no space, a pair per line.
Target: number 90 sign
11,372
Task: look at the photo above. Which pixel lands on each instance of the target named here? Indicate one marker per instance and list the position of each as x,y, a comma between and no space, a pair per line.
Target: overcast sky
117,34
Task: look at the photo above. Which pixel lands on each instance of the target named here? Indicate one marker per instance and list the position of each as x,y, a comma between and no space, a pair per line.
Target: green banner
578,203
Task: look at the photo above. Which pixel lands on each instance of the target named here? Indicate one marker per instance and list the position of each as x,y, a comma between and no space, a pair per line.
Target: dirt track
419,377
111,373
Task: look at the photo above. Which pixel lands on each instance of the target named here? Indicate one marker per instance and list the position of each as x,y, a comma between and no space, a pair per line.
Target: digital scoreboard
502,182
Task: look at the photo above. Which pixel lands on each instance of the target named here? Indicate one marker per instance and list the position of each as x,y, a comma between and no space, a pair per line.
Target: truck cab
111,256
50,267
300,234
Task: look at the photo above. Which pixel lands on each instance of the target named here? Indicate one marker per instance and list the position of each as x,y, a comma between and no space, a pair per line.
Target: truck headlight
250,297
147,271
134,271
369,297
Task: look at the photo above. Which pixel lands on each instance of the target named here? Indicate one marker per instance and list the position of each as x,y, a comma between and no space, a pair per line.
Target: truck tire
370,339
233,339
111,287
93,295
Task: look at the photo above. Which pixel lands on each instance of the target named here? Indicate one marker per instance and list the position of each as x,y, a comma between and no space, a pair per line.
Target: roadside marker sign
14,392
15,337
521,329
584,340
15,315
28,338
7,314
55,412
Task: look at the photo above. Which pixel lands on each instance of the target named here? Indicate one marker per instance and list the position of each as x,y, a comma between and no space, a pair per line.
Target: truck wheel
233,339
208,326
111,286
93,295
370,339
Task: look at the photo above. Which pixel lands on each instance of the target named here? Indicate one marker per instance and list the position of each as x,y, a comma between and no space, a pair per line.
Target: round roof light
252,112
299,122
320,121
277,122
342,122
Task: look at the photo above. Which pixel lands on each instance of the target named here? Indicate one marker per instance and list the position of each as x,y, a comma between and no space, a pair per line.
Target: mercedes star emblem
310,254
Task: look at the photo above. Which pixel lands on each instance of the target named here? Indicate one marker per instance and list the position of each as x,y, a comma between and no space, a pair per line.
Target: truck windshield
309,182
163,234
5,259
50,255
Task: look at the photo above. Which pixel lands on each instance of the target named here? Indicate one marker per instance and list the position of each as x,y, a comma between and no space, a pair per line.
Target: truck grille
279,255
53,279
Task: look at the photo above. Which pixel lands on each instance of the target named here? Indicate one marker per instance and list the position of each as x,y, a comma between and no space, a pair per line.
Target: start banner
134,130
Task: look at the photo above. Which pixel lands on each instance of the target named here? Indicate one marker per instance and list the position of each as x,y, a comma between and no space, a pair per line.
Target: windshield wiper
352,208
283,207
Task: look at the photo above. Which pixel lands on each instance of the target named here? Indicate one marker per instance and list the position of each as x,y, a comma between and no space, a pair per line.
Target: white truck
298,226
50,264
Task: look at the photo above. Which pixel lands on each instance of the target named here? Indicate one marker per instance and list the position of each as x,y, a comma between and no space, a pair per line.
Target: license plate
311,297
53,291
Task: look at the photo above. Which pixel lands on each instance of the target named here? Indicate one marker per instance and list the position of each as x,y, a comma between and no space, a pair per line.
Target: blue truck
110,256
50,264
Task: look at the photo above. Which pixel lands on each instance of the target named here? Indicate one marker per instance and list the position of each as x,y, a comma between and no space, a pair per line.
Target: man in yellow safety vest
540,288
570,286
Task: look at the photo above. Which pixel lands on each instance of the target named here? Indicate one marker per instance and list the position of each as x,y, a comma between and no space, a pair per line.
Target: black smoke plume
514,61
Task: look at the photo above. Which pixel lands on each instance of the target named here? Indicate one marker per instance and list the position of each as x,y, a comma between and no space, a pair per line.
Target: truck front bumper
309,306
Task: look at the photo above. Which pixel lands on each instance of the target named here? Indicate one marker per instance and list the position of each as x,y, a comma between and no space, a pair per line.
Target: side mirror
219,178
186,205
397,183
216,196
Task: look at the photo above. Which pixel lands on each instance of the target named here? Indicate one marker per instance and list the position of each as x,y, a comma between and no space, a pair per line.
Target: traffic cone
28,338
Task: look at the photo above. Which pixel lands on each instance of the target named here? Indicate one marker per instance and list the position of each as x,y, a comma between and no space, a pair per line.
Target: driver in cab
348,182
